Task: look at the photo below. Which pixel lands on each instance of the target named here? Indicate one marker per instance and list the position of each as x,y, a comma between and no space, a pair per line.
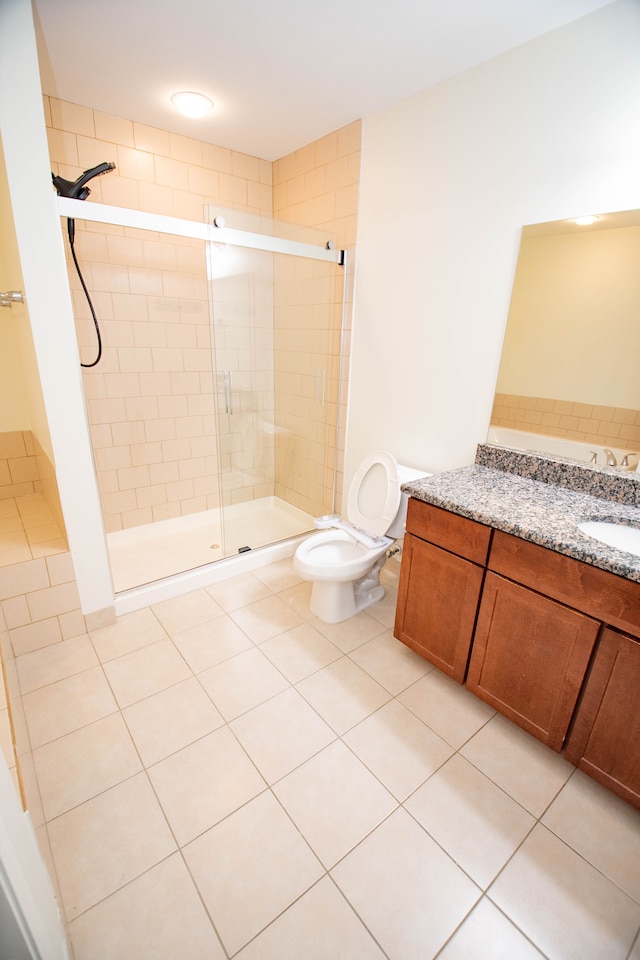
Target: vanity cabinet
530,655
549,641
441,577
605,739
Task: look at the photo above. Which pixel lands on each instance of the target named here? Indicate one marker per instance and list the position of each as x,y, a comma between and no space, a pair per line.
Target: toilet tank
405,474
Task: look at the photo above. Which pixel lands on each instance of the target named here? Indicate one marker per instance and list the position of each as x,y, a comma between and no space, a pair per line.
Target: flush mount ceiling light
192,104
585,221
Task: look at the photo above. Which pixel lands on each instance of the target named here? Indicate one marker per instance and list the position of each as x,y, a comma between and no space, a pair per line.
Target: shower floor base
153,551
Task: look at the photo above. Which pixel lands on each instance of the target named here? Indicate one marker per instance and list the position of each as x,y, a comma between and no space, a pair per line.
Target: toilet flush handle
327,521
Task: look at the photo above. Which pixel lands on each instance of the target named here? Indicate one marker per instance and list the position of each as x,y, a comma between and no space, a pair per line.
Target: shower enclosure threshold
155,551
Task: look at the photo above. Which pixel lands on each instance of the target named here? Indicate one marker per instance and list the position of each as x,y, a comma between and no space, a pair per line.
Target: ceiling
282,73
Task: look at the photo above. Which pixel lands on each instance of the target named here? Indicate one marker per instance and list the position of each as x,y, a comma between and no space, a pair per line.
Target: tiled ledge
19,472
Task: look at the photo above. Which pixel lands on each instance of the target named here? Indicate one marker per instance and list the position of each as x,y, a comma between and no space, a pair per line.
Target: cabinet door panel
529,658
605,740
437,604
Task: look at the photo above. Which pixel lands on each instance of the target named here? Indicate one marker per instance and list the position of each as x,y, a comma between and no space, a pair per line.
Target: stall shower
216,411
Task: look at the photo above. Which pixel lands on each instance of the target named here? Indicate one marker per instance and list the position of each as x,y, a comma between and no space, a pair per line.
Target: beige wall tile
203,181
72,624
130,306
114,129
119,191
167,362
13,444
135,164
46,105
113,458
63,147
217,158
171,173
72,117
16,613
151,139
243,165
155,198
20,578
588,423
120,384
185,148
34,636
126,433
60,569
47,603
259,196
349,138
189,206
92,151
233,190
145,282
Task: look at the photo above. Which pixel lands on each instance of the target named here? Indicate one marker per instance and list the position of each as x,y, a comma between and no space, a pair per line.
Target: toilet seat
374,494
335,556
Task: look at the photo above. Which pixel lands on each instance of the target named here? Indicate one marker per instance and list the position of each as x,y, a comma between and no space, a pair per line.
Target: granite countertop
538,511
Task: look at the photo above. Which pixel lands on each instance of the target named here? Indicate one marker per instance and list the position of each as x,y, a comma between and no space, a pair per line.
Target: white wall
449,176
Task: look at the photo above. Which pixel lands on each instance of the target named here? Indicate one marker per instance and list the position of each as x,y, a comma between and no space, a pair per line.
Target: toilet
344,560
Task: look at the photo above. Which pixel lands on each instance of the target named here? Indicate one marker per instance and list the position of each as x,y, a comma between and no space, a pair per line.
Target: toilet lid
374,494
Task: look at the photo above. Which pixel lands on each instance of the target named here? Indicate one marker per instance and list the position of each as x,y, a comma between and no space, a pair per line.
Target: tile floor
225,776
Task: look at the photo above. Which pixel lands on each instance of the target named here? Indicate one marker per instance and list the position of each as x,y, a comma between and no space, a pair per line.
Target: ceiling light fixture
585,221
192,104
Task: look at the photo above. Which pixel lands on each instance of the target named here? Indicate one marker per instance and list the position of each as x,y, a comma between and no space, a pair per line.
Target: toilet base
334,601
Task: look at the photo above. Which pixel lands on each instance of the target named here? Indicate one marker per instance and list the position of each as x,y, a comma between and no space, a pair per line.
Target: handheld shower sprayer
78,190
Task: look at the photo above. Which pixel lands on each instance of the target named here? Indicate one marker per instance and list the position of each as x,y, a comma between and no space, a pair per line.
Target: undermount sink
619,535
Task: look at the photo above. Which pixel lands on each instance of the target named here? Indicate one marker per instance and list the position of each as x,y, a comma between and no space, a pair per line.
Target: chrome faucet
611,460
625,461
594,457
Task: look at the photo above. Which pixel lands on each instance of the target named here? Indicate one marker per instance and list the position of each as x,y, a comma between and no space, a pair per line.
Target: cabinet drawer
593,591
457,534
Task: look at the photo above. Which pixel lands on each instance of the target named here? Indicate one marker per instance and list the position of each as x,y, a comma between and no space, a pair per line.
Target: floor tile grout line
121,708
586,860
268,786
399,804
635,942
509,919
325,876
202,901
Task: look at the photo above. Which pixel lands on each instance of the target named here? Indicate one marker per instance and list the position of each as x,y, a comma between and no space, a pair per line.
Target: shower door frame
211,233
125,217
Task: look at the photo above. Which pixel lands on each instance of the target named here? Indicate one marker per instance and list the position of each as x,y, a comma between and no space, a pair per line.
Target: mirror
569,378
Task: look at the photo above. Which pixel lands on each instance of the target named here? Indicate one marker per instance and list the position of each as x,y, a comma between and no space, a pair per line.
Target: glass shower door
213,410
276,334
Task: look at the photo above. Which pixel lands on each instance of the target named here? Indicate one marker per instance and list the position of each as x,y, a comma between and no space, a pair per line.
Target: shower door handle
228,393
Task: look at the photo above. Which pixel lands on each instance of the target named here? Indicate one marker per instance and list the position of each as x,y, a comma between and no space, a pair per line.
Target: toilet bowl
345,559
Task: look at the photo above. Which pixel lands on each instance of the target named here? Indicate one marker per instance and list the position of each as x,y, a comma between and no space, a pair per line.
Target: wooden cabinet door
438,599
530,656
605,740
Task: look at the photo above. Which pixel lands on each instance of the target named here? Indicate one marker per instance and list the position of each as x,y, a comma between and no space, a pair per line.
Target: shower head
76,189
